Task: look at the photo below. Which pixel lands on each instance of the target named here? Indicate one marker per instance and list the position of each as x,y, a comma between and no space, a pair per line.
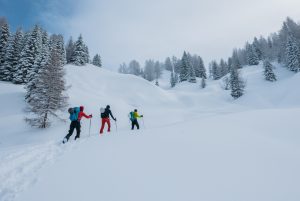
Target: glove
91,116
142,115
115,119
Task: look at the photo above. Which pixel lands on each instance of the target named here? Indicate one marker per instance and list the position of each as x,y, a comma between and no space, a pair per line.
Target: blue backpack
131,117
74,113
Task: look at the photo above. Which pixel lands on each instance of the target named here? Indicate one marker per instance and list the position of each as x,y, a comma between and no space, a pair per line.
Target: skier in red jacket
82,114
75,118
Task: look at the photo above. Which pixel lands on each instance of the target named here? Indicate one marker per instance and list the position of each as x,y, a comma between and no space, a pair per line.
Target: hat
81,108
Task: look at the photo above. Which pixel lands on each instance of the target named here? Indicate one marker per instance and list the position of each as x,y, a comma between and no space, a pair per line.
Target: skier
105,118
133,117
76,115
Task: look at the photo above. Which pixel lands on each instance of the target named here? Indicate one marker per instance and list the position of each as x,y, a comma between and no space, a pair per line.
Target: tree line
36,59
20,52
182,69
282,47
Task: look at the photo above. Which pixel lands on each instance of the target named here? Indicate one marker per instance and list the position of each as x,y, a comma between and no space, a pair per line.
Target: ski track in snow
19,167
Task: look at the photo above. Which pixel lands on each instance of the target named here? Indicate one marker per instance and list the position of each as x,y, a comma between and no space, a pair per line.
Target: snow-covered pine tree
168,64
172,79
134,68
149,71
270,43
242,56
61,49
264,48
143,74
252,58
58,42
157,70
226,83
235,59
292,54
194,63
79,56
294,27
237,85
223,68
26,36
184,68
203,83
191,69
123,68
229,63
26,69
281,41
35,45
257,47
215,70
18,46
39,64
192,75
87,54
201,69
268,71
4,39
174,75
48,95
176,64
274,45
97,60
8,60
69,50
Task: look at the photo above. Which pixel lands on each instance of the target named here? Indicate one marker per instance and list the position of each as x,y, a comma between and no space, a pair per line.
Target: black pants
133,123
73,125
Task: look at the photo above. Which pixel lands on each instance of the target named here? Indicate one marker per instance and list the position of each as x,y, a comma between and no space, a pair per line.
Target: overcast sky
122,30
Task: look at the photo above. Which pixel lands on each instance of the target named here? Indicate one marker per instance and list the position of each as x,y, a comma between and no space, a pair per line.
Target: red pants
105,120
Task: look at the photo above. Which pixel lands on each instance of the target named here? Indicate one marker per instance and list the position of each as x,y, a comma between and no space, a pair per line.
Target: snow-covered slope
96,87
196,144
263,94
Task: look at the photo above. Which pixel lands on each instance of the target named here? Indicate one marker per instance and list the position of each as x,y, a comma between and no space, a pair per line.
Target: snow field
177,163
197,144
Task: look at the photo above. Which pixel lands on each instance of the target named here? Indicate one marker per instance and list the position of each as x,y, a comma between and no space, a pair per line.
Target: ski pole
90,127
116,126
143,122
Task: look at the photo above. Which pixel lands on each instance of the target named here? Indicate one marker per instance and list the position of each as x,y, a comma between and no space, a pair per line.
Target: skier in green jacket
133,117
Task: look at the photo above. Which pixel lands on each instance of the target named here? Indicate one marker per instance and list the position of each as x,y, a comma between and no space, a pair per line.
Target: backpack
131,116
71,110
102,110
74,113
